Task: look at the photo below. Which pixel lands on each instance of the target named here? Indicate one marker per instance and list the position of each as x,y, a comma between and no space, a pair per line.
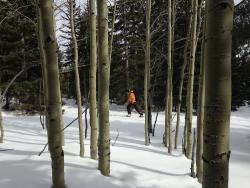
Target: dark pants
129,108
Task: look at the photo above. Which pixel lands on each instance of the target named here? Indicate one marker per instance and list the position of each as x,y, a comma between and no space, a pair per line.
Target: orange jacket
131,97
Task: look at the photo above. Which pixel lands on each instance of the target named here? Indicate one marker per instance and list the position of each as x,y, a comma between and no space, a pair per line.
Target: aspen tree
112,32
182,73
200,118
77,79
218,46
92,81
54,94
43,63
147,72
104,74
168,109
200,112
189,97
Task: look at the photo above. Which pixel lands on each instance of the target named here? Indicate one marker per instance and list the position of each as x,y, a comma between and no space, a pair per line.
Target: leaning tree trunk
43,63
218,46
182,74
54,94
112,32
189,103
92,81
104,64
1,120
77,79
168,108
200,112
147,67
200,118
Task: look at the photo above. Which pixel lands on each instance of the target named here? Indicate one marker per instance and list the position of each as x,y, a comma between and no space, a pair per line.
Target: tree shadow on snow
146,149
150,169
240,145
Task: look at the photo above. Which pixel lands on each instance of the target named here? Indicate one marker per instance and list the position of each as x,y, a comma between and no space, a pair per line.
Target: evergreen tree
18,50
241,58
128,49
81,29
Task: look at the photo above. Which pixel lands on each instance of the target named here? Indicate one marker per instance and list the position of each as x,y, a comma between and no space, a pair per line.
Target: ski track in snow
133,165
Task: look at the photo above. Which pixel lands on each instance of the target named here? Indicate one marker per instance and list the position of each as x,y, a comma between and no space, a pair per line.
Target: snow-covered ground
133,165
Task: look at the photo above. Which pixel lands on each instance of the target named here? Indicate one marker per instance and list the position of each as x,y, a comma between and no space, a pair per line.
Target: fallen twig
40,153
153,132
116,137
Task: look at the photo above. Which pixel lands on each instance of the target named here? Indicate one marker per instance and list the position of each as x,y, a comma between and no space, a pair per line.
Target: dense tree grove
128,52
130,36
129,46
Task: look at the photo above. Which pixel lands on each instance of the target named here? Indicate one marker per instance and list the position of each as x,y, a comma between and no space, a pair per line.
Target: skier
132,103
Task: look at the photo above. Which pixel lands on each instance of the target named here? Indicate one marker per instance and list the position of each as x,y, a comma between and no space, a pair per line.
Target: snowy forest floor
133,165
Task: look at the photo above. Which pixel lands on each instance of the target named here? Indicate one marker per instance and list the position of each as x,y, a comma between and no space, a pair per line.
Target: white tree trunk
77,79
92,81
218,48
147,71
54,94
168,108
189,101
104,73
200,110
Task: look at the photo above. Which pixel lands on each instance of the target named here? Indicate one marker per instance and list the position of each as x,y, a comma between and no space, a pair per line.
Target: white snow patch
133,165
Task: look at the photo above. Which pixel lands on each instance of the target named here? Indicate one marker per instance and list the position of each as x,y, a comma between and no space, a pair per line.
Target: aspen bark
182,73
168,108
43,63
77,79
200,112
173,17
104,64
200,119
54,94
218,46
92,81
112,33
189,101
147,67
